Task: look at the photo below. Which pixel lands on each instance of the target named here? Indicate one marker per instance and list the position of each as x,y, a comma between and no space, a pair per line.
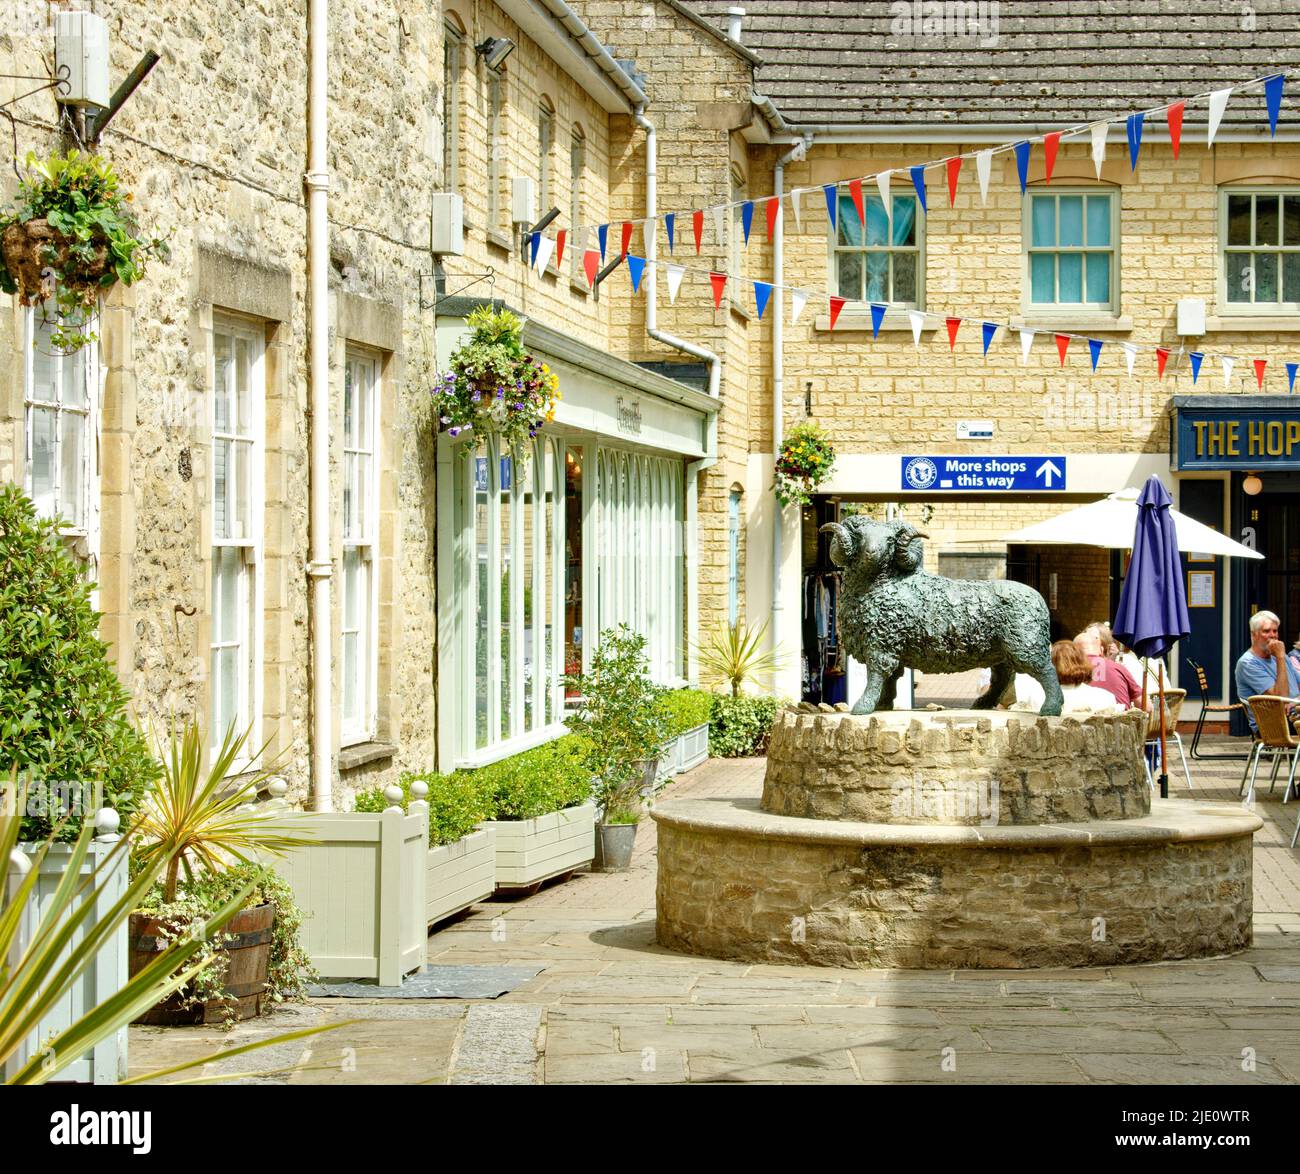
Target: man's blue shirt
1255,675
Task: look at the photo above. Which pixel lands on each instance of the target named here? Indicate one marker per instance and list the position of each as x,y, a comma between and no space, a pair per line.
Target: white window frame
360,474
1252,307
452,59
87,357
496,111
249,596
577,170
835,249
1031,307
545,147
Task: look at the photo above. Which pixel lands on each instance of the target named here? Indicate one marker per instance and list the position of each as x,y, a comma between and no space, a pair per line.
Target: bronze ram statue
893,616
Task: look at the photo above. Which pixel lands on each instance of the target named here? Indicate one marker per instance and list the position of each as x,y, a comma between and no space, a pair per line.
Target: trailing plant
64,726
805,461
741,726
732,654
197,821
289,970
685,709
494,384
71,234
620,717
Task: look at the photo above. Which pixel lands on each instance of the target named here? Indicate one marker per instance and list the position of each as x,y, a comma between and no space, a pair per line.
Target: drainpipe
797,152
710,458
318,259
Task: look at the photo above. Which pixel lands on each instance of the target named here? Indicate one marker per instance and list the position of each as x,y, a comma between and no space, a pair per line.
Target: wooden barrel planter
246,941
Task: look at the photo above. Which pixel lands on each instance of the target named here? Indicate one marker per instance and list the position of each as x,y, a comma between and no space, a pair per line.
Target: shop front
542,549
1238,463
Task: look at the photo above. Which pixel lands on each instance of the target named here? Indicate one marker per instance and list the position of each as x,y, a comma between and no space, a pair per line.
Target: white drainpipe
797,152
318,259
710,458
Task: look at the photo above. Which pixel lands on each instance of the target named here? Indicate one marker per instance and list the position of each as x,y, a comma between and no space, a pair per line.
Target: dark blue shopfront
1254,443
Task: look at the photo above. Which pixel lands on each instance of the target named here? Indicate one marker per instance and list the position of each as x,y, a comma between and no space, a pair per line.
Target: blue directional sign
983,474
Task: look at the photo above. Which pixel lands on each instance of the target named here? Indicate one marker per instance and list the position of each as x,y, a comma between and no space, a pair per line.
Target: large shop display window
549,547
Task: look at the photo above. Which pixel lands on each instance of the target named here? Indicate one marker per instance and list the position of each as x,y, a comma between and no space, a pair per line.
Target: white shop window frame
1030,307
1252,308
453,56
87,531
365,364
249,602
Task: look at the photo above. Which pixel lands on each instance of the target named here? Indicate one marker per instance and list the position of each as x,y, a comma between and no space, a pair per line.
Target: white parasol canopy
1111,523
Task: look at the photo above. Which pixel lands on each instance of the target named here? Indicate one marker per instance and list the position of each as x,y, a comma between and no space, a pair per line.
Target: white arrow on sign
1047,470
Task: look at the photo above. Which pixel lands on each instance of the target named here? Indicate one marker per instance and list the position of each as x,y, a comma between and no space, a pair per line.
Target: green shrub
537,782
741,726
456,802
685,709
63,716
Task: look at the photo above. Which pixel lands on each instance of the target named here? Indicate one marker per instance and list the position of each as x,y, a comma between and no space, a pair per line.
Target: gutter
997,133
632,93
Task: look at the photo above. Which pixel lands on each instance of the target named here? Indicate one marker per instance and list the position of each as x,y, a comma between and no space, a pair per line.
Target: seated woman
1075,674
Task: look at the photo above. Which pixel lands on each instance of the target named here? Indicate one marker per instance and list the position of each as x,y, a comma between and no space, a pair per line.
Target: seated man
1109,674
1264,667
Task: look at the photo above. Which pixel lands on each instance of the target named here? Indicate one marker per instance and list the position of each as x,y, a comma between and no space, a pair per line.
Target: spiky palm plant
731,654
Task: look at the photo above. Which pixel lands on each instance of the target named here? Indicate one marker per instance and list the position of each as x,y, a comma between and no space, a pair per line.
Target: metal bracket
472,279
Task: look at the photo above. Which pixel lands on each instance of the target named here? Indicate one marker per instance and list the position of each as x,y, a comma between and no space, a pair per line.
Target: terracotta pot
248,954
34,250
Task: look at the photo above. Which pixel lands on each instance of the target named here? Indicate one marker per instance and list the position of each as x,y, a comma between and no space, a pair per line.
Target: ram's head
877,547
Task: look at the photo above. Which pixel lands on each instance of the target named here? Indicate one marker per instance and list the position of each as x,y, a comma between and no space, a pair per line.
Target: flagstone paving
611,1005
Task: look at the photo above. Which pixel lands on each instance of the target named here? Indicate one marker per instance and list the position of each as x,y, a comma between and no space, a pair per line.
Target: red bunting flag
1162,357
1175,116
954,166
1050,144
627,237
773,207
837,304
719,283
560,238
953,324
591,265
1260,364
697,223
1062,345
855,190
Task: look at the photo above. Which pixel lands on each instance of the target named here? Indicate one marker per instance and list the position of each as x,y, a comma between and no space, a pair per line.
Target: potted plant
494,384
624,728
71,235
204,825
805,461
687,712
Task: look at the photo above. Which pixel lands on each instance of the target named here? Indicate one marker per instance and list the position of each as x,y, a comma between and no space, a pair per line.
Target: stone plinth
971,767
738,882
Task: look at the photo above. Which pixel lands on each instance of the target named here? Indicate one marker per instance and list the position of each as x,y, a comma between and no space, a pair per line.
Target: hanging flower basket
494,385
71,235
807,456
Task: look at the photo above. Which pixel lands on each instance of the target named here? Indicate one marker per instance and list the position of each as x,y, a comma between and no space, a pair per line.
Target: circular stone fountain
960,838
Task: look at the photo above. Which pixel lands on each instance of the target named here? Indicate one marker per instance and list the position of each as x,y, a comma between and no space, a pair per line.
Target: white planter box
693,747
670,760
105,1063
533,850
459,874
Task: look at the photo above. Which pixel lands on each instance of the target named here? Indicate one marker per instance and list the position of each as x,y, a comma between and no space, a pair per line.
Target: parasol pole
1164,773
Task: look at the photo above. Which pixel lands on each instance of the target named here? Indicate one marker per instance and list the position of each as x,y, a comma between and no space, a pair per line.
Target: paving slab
763,1066
1110,1068
655,1067
963,1065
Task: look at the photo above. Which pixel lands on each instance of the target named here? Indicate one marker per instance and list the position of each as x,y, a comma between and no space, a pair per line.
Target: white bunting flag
1026,341
882,182
794,207
918,324
720,225
798,299
545,247
580,246
983,165
648,230
1130,353
1099,131
674,274
1218,104
1228,363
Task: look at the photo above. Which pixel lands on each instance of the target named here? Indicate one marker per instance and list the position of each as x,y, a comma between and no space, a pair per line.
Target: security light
494,51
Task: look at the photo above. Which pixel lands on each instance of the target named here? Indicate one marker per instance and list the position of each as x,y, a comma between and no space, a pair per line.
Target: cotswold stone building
391,599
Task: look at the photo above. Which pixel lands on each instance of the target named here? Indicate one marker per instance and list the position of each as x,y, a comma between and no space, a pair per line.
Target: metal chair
1208,708
1275,738
1173,703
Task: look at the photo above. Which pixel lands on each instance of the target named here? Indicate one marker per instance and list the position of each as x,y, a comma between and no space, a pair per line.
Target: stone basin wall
961,767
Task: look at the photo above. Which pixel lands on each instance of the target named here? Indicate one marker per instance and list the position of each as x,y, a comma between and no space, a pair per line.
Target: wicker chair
1174,699
1208,708
1275,738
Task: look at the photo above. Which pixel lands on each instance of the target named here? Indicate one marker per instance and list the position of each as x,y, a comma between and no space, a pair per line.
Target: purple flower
453,431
